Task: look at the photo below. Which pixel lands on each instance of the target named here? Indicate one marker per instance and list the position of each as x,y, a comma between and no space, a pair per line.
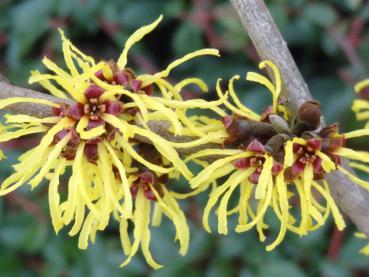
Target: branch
159,127
270,45
351,198
7,90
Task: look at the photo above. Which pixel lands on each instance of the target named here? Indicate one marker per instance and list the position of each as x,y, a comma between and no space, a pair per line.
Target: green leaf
232,33
280,268
320,14
187,38
139,13
29,24
333,269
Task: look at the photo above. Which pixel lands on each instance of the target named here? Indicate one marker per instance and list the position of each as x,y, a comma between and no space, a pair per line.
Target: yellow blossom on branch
103,106
361,105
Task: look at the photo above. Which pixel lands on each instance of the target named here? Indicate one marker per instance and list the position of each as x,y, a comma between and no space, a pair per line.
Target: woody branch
270,45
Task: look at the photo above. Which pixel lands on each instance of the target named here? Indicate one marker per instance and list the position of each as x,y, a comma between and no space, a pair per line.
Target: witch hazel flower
361,105
100,109
248,164
276,161
152,194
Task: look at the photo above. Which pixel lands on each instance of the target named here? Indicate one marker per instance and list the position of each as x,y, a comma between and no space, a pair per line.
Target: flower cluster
101,128
361,108
101,109
361,105
276,162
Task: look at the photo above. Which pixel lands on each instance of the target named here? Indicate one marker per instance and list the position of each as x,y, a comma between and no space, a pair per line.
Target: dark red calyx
91,152
277,167
333,144
147,177
256,146
227,121
134,189
254,177
76,111
60,135
330,131
93,92
69,152
100,74
95,123
56,111
317,166
121,78
242,163
62,110
113,107
136,85
265,114
95,140
314,143
148,192
149,90
75,139
294,171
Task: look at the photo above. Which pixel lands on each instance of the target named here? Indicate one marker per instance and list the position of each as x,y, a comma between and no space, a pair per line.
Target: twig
270,45
351,198
7,90
159,127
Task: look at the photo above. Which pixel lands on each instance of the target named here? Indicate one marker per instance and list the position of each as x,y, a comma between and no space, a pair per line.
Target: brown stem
270,45
159,127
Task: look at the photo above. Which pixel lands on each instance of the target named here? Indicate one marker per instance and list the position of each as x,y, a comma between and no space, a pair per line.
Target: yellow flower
102,108
306,161
151,190
361,106
275,162
365,249
255,173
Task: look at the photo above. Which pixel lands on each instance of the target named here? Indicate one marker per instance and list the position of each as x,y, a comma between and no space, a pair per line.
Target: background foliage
330,42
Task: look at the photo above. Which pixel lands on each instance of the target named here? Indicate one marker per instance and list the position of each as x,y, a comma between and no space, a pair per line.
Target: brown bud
309,113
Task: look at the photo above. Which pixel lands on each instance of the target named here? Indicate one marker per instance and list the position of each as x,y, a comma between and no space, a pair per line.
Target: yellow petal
105,167
166,150
189,81
92,133
165,73
263,205
204,174
135,37
53,157
54,198
283,200
22,132
353,155
156,168
360,85
357,133
264,178
124,237
222,211
15,100
141,218
49,86
252,115
22,118
127,206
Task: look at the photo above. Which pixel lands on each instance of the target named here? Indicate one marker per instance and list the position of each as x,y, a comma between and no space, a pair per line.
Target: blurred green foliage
330,42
